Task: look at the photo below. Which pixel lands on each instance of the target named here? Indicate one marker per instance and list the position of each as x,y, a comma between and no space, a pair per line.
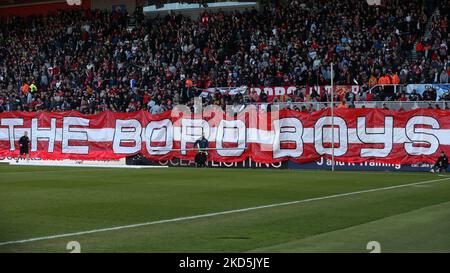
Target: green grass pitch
38,202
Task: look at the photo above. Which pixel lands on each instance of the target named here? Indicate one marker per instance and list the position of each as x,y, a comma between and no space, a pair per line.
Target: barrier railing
392,105
396,87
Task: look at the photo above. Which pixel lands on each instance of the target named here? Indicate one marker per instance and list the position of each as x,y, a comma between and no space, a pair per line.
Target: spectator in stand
395,79
342,105
429,94
443,77
414,96
420,49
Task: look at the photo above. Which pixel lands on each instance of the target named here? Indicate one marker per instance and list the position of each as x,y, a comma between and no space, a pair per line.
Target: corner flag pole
332,120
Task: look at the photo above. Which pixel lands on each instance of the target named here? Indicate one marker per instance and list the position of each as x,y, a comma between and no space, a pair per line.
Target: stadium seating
92,61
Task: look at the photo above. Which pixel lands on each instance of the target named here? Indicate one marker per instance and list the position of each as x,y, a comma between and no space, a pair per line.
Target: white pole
332,120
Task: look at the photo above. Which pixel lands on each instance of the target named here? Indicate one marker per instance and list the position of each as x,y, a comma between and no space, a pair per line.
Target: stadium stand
93,61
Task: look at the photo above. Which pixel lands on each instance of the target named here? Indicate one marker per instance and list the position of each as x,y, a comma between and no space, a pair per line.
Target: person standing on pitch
24,142
201,156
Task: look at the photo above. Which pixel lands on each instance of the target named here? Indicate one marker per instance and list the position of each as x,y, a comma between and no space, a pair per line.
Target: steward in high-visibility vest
395,79
25,88
33,88
387,78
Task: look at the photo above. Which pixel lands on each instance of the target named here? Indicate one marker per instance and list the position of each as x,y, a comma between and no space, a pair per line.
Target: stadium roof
5,3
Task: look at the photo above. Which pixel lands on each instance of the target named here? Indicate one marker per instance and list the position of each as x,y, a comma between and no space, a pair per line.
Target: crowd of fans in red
93,61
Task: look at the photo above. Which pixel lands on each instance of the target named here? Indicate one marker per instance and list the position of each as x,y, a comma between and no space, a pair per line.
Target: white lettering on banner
275,91
316,88
288,130
232,131
419,136
291,90
79,134
191,131
129,131
159,131
340,144
268,91
43,133
256,89
280,91
11,123
383,136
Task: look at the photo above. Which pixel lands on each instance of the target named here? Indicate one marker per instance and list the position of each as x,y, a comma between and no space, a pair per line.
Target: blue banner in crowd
441,89
325,164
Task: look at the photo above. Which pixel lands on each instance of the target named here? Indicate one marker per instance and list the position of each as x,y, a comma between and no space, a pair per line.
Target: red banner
400,137
281,92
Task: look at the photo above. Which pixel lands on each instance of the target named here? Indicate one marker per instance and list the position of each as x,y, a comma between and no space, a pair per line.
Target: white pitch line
57,171
217,213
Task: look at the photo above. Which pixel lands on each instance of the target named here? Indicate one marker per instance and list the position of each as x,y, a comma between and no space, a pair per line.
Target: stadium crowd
93,61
